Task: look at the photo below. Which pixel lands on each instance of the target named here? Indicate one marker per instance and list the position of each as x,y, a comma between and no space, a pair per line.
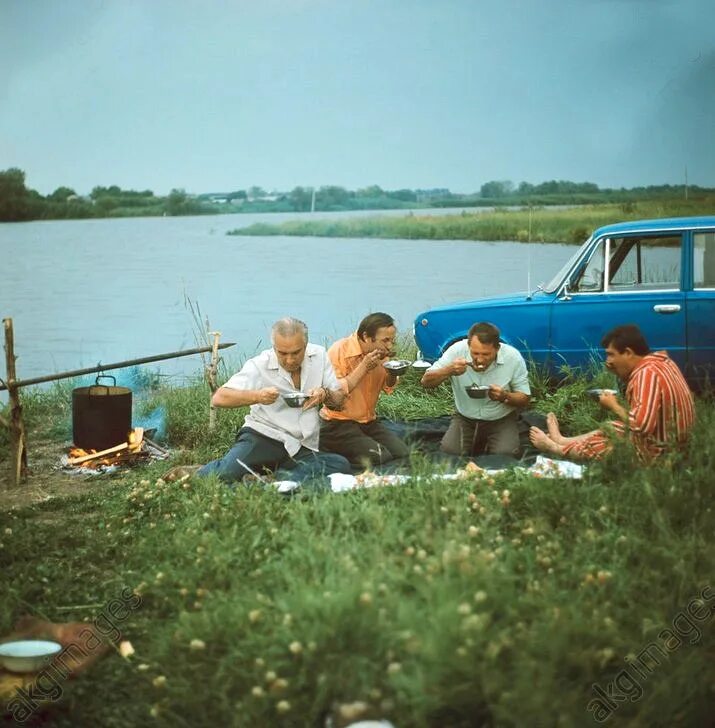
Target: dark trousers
466,436
263,453
363,444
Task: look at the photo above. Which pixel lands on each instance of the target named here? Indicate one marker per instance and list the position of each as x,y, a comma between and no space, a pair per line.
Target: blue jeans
263,453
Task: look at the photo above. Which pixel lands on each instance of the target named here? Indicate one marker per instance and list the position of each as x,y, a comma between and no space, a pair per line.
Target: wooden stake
211,376
18,442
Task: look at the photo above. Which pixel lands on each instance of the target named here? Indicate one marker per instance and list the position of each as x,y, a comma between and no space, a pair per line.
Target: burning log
133,444
137,449
95,461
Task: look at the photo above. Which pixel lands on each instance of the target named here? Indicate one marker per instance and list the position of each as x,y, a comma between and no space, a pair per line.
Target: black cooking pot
101,415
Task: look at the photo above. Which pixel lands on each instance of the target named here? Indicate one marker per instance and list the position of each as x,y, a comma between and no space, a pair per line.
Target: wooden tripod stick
18,442
211,376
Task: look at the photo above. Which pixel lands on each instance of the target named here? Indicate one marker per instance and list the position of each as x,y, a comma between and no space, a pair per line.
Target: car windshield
555,282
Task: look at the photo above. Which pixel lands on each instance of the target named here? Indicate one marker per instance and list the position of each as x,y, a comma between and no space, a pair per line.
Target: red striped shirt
661,412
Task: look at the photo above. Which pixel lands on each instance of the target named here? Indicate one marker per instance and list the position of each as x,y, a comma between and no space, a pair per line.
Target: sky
221,95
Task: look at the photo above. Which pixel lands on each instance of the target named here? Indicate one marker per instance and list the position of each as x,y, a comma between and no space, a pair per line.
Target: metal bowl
597,392
397,366
27,655
421,365
477,391
296,399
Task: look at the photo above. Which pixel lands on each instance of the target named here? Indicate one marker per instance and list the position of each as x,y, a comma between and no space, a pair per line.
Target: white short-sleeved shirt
290,425
508,370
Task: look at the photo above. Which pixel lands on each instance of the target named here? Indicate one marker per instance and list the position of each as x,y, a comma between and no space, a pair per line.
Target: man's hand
497,393
373,359
316,396
609,401
459,366
267,395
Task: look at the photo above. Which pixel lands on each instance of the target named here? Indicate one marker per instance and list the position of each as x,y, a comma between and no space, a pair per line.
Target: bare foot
552,425
541,441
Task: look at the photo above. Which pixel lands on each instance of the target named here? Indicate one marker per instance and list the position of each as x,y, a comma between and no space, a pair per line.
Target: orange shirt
359,406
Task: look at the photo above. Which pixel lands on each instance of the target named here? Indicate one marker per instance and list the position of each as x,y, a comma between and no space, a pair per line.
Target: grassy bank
542,224
491,601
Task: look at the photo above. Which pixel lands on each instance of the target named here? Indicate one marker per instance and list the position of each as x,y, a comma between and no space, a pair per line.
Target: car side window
634,263
644,263
704,260
590,279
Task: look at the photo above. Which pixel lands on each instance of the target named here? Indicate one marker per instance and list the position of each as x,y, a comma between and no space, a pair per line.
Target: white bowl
27,655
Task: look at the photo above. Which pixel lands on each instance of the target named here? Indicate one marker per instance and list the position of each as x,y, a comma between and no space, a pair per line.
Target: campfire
137,448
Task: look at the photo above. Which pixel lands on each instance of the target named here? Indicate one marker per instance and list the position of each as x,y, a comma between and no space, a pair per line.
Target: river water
81,292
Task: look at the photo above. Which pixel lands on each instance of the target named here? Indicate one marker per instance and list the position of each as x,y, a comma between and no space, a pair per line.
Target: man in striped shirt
660,410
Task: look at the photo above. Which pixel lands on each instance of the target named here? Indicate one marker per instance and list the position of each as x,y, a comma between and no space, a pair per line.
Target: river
81,292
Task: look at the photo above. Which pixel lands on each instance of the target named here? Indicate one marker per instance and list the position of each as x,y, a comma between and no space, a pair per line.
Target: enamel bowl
597,392
397,366
296,399
420,365
477,391
27,655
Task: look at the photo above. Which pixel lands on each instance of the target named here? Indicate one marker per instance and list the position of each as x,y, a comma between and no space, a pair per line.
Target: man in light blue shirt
487,422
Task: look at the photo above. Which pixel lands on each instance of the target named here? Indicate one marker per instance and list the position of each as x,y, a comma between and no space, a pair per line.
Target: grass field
542,224
506,600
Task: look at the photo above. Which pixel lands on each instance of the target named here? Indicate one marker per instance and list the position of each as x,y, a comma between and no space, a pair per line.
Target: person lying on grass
660,410
276,436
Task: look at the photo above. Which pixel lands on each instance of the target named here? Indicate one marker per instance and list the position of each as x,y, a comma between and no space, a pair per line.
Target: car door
631,278
700,303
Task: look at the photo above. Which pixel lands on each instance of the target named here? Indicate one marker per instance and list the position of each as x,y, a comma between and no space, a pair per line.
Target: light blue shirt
292,426
508,371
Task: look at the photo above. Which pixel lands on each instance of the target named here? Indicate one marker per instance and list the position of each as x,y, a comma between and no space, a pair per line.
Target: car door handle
667,308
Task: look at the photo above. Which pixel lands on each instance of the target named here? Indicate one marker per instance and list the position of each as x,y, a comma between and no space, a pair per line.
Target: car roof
666,224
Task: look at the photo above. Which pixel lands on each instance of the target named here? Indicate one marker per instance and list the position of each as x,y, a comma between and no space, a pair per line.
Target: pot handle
105,376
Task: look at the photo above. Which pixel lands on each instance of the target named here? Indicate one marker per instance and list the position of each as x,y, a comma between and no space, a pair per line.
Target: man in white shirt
487,424
274,435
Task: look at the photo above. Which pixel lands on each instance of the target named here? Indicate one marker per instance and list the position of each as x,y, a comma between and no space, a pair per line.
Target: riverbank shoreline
528,224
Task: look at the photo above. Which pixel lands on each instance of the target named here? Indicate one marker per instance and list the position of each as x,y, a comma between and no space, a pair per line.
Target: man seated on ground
660,406
275,435
354,431
487,424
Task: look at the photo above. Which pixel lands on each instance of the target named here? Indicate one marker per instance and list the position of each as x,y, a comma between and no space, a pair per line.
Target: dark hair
628,336
372,322
486,333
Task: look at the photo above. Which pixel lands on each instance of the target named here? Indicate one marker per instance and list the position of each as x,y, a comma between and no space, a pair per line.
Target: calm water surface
88,291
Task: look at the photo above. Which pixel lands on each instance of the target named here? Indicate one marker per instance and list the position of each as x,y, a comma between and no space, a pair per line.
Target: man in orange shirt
354,431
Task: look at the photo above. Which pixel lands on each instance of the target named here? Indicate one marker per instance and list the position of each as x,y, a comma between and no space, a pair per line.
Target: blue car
658,274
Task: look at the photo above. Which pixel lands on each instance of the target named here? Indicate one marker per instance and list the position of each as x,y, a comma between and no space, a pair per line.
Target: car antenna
528,264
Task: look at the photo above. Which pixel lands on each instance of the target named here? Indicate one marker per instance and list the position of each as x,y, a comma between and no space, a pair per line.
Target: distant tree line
17,202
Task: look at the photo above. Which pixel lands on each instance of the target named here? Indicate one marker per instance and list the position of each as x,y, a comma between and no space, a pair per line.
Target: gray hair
289,326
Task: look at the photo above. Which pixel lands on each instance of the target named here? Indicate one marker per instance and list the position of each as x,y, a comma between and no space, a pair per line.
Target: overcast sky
219,95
